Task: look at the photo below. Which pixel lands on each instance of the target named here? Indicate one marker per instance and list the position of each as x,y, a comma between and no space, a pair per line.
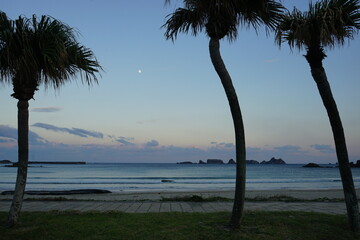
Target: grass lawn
174,226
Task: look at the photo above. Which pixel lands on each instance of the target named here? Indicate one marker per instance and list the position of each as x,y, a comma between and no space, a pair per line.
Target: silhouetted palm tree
35,52
219,19
326,24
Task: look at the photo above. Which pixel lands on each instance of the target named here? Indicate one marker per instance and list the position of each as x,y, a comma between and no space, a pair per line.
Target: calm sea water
148,177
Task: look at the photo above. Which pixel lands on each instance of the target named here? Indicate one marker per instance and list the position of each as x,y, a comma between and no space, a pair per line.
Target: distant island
271,161
15,164
214,161
61,192
274,161
232,161
355,165
33,162
209,161
5,162
315,165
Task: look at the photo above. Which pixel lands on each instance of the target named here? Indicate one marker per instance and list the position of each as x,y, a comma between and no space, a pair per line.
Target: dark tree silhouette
219,19
36,52
327,23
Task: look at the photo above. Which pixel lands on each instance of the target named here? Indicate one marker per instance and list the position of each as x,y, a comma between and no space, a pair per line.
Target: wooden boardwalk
156,206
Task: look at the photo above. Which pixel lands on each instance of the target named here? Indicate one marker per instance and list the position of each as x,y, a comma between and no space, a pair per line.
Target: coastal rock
16,165
42,162
68,192
202,162
187,162
167,181
57,162
214,161
231,161
312,165
5,162
252,162
274,161
355,165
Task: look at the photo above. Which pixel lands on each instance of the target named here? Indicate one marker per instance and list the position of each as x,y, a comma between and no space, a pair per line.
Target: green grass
175,226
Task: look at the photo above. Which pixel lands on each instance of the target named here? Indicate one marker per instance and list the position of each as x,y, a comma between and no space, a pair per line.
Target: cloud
88,133
289,149
127,151
7,140
227,145
8,132
46,109
152,143
223,145
323,148
10,135
125,141
74,131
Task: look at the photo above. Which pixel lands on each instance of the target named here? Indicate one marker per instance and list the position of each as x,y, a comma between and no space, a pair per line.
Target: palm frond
42,51
326,24
256,13
6,30
220,18
184,20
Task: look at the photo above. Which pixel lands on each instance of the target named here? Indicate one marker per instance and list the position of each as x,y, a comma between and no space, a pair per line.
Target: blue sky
159,101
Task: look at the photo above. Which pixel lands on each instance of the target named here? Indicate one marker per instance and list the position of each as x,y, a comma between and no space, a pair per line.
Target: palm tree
326,24
219,19
33,52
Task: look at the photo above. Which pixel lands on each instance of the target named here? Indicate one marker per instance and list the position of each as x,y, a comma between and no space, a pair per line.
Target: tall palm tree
326,24
220,19
36,52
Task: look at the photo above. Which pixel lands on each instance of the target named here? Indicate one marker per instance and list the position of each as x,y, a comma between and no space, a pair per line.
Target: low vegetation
278,198
284,198
175,226
198,198
195,198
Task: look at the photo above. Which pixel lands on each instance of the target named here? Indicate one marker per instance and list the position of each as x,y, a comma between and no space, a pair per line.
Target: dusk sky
162,101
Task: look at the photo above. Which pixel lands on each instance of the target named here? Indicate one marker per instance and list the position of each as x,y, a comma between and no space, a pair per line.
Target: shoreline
157,196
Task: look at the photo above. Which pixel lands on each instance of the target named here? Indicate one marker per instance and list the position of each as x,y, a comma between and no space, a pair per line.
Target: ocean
147,177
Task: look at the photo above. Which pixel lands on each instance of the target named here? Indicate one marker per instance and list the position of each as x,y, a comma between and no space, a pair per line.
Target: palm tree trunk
319,75
238,207
23,155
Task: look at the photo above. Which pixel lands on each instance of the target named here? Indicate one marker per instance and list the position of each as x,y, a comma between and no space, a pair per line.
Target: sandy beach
156,196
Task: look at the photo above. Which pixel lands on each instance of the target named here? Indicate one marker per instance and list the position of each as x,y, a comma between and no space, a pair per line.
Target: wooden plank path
154,207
